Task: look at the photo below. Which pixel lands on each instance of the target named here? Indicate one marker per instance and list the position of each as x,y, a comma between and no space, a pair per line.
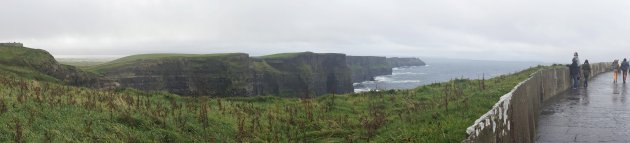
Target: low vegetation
39,110
10,55
281,56
144,57
82,63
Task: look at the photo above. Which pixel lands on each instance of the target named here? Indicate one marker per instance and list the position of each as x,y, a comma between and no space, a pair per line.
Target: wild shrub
3,106
18,137
203,115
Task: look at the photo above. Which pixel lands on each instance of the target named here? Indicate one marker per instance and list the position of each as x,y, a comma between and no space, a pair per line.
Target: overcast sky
525,30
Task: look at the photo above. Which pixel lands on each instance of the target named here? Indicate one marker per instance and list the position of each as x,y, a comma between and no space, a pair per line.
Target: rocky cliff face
403,62
202,75
303,74
41,61
365,68
294,74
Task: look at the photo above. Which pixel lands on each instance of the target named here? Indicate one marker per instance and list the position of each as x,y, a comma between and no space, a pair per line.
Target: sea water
441,70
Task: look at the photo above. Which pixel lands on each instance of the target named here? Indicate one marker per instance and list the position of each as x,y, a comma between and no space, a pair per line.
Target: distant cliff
39,64
303,74
365,68
290,74
403,62
213,74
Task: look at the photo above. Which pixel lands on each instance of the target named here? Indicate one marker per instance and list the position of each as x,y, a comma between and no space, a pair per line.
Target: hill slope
39,64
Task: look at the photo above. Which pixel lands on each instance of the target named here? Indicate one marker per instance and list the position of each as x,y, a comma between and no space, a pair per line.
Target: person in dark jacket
624,69
586,71
576,58
574,70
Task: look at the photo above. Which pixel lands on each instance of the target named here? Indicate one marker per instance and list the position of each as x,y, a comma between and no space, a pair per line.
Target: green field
282,55
10,55
82,63
44,110
135,58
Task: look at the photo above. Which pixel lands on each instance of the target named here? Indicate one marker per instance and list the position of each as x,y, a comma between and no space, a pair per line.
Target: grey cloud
532,30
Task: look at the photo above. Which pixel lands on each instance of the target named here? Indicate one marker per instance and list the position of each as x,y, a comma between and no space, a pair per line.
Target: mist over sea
442,70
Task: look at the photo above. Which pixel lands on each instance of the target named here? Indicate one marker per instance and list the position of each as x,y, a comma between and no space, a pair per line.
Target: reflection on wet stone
596,114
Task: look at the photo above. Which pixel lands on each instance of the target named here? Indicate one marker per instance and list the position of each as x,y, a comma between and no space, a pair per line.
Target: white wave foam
386,79
405,81
382,79
407,73
359,90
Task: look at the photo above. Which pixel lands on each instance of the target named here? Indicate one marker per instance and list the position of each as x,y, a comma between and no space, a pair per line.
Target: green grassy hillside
37,64
23,62
39,111
82,63
10,55
281,55
130,60
26,73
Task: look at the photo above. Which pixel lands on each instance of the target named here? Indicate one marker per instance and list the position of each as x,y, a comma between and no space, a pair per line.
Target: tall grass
34,111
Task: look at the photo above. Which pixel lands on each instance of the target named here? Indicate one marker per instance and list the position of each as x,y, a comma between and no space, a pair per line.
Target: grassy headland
145,57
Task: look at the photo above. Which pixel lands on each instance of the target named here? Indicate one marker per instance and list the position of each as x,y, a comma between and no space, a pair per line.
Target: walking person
615,68
576,58
586,70
624,69
574,70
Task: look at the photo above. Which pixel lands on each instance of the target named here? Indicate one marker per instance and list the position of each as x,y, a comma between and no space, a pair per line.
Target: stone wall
515,116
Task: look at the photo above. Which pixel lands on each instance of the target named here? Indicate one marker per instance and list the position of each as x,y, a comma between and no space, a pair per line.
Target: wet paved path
600,113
